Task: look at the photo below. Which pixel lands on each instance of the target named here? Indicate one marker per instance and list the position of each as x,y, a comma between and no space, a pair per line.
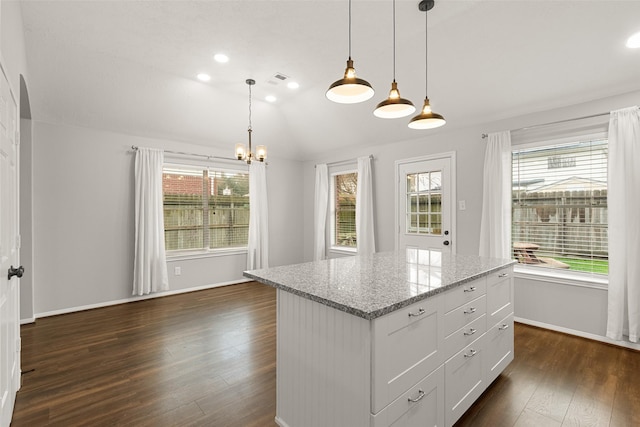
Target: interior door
425,201
9,253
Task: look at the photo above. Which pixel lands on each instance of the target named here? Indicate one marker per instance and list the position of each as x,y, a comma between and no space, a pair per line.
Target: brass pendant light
427,119
350,89
394,106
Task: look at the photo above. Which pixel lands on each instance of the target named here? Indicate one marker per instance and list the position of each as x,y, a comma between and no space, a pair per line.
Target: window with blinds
205,209
344,208
559,206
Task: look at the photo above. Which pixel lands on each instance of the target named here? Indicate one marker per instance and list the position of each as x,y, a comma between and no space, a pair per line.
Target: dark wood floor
208,359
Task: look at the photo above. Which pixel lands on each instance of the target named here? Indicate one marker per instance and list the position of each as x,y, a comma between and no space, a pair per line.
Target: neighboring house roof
573,183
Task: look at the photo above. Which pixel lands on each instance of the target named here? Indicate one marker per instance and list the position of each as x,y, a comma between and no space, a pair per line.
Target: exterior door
9,253
425,201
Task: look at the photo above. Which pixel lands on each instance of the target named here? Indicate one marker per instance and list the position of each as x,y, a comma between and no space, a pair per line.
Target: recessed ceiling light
204,77
293,85
221,58
633,42
270,98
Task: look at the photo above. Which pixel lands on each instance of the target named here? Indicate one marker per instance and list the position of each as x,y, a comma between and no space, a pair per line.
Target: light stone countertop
370,286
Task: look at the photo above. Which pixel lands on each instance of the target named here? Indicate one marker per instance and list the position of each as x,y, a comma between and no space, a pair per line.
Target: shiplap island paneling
403,339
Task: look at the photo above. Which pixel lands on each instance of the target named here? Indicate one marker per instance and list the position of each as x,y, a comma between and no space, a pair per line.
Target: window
344,208
559,206
424,203
205,209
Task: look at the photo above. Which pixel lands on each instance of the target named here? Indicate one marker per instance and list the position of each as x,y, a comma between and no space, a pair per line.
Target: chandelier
243,153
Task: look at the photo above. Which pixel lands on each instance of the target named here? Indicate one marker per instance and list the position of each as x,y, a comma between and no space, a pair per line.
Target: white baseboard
280,422
626,344
135,298
27,320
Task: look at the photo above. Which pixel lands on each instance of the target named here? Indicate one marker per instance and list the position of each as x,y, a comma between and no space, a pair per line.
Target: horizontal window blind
345,186
559,209
205,209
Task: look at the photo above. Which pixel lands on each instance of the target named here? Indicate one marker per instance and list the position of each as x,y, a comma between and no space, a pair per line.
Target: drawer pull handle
503,275
470,311
470,289
503,326
471,353
419,313
470,332
417,399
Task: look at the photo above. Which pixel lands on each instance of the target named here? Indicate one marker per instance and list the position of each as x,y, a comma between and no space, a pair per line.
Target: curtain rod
340,162
485,135
206,156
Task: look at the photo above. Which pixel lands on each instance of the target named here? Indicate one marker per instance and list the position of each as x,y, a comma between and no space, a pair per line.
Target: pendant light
394,106
350,89
427,119
261,151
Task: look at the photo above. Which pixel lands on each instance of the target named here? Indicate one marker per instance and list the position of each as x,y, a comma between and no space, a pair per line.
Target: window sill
185,255
562,277
343,250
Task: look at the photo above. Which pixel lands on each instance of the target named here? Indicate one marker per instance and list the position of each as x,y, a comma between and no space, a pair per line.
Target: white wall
14,62
83,219
560,306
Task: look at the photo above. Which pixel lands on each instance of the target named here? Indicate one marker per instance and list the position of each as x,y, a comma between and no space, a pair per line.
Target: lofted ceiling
130,66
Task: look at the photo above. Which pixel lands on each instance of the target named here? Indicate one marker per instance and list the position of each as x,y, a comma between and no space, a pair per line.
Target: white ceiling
130,66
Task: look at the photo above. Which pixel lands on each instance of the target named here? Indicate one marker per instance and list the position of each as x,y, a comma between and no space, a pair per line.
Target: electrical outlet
462,205
177,271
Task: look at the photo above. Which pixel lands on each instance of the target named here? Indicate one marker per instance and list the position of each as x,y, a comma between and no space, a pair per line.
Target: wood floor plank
208,358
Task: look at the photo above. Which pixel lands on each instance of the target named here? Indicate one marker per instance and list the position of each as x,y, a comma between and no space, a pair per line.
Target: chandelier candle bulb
240,151
261,153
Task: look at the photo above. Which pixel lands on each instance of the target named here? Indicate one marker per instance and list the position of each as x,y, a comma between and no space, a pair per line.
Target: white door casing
9,252
425,203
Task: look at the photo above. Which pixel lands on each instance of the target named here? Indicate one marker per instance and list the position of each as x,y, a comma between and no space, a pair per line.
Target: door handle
446,243
15,272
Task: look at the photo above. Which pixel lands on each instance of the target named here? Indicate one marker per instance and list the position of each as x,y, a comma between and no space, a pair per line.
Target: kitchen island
410,338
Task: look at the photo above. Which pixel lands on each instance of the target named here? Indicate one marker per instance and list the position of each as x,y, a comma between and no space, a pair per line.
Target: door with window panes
425,196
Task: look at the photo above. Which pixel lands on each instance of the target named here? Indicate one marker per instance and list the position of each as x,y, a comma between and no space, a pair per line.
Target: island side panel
323,365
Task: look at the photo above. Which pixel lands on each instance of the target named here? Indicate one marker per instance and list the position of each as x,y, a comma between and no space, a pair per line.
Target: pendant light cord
349,29
394,40
426,53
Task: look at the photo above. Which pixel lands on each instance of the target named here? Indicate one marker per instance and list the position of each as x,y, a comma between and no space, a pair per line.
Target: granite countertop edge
370,315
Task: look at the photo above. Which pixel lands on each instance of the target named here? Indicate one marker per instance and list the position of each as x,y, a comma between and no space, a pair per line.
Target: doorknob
15,272
446,243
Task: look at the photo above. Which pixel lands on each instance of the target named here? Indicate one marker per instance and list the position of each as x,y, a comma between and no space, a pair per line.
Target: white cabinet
421,365
464,379
420,406
499,337
407,346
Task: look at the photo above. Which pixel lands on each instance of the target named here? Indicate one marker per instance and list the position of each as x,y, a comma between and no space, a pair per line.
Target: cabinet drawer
499,296
500,275
464,336
457,296
465,380
468,312
499,348
426,409
406,347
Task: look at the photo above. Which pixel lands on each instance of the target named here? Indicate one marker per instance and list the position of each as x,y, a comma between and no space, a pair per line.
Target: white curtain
495,226
365,236
150,264
320,212
258,245
624,225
